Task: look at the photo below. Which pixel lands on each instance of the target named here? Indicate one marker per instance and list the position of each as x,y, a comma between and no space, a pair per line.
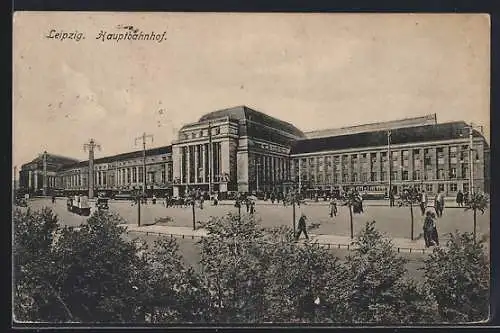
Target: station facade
254,152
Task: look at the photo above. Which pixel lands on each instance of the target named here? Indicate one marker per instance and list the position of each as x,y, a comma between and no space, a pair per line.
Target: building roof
53,159
122,157
425,133
242,112
430,119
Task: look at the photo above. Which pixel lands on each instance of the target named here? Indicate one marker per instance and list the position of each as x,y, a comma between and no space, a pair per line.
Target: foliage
93,274
249,275
233,269
297,276
458,277
376,289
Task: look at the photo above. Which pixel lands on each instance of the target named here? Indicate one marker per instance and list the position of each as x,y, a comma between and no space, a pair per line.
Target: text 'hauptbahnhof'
241,149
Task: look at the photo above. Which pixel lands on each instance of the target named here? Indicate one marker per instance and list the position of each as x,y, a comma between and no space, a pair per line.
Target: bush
92,274
375,287
458,277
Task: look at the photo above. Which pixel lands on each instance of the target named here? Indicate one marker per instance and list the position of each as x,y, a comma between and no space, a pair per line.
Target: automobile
102,203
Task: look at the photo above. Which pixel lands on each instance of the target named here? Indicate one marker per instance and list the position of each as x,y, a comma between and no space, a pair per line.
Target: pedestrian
423,202
252,207
154,199
301,227
202,199
216,199
391,198
439,203
434,235
466,198
460,198
333,207
53,199
247,204
428,229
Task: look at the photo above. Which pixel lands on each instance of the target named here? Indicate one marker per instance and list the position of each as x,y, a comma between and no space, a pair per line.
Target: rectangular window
364,177
395,155
405,163
345,177
354,177
416,153
394,175
453,150
406,153
383,176
416,163
440,174
453,160
405,174
336,177
373,176
465,172
416,175
441,187
453,173
453,187
428,187
465,186
383,156
440,160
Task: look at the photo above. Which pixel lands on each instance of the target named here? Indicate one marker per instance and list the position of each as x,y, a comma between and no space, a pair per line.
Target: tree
297,277
353,202
409,198
477,202
233,271
35,295
93,274
376,287
458,277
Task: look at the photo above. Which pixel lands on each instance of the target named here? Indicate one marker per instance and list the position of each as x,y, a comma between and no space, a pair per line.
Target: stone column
349,168
410,164
446,166
188,164
196,166
204,162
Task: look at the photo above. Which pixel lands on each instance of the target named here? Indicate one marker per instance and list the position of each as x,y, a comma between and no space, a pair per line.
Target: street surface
394,221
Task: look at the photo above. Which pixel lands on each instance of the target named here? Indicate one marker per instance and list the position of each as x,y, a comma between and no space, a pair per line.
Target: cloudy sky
313,70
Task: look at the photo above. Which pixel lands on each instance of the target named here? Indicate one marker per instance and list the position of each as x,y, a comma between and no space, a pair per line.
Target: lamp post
389,161
471,127
90,146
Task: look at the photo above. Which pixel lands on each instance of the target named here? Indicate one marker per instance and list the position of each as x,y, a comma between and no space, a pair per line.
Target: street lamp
471,127
389,160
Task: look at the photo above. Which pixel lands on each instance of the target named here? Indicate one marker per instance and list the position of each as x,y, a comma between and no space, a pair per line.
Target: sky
315,71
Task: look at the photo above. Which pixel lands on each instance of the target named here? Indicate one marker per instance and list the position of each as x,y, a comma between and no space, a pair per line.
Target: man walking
460,199
301,227
333,207
439,203
391,198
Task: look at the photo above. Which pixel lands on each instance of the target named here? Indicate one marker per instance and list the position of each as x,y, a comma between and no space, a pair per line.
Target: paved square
394,221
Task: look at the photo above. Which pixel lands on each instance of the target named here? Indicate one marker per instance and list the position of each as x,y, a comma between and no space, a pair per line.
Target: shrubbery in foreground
248,275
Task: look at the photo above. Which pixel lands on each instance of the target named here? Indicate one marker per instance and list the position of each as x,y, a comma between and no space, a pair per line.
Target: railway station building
254,152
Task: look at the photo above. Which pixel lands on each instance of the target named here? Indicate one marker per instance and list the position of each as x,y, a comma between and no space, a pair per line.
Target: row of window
319,162
405,175
202,133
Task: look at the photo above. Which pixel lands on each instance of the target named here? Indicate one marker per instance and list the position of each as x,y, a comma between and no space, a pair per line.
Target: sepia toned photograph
250,168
